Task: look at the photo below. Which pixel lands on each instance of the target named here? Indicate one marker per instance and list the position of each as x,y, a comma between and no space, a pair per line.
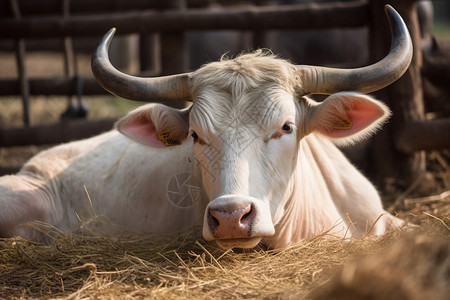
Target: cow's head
246,121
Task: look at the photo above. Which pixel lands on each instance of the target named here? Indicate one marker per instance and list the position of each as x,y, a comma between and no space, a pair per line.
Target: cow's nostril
247,216
213,222
231,222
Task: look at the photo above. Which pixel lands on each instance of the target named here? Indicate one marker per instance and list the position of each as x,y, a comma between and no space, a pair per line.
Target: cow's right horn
160,89
321,80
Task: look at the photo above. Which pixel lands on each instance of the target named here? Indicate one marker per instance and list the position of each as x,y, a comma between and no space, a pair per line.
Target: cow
253,160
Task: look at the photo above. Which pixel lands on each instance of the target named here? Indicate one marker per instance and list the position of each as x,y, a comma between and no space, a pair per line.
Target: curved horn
165,88
321,80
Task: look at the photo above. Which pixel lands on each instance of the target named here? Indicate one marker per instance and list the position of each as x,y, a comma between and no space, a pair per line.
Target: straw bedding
74,266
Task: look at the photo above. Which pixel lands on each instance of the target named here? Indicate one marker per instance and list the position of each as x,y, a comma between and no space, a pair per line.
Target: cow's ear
348,117
155,125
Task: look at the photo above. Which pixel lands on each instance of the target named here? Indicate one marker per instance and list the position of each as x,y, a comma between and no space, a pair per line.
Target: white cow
252,160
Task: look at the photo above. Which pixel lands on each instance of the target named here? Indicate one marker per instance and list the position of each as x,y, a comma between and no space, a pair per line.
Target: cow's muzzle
237,221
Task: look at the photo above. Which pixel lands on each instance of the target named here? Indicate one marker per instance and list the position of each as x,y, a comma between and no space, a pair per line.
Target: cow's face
245,125
246,144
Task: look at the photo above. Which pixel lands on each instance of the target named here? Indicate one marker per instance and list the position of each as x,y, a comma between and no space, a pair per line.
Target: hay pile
415,267
134,267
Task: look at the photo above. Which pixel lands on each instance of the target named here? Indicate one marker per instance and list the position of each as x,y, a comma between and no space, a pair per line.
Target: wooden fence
396,152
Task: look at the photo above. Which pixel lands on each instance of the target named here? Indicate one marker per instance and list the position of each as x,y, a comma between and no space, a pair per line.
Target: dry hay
74,266
414,266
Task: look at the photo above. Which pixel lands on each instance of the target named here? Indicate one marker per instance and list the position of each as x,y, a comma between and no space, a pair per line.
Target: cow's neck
310,209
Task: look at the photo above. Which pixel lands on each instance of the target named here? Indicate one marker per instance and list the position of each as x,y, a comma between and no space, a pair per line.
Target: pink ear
155,125
349,116
141,130
361,115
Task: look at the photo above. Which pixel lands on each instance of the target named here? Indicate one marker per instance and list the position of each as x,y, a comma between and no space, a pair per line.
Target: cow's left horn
165,88
321,80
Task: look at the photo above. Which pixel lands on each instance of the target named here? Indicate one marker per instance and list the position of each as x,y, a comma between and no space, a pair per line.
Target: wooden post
404,97
69,61
149,54
259,36
174,52
20,56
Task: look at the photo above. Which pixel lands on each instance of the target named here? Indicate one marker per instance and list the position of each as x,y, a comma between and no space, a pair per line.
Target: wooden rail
299,16
47,7
60,132
51,86
423,135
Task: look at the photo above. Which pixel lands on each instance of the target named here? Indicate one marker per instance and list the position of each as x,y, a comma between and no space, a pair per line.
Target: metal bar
298,16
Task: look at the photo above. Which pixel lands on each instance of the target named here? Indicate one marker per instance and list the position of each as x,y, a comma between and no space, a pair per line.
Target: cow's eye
287,128
195,136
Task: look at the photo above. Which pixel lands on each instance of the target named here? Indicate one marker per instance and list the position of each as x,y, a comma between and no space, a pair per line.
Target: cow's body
51,188
56,179
252,160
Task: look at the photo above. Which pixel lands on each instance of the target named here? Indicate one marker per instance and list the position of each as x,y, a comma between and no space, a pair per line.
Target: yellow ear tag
345,123
166,139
